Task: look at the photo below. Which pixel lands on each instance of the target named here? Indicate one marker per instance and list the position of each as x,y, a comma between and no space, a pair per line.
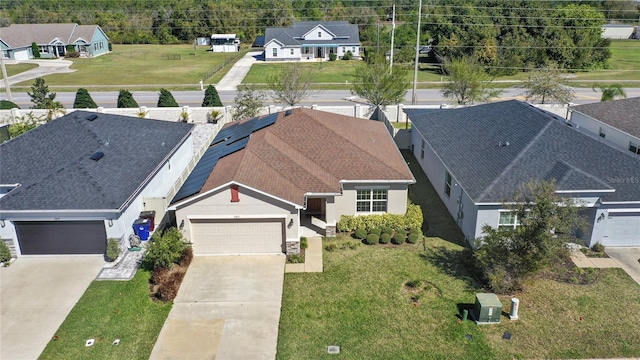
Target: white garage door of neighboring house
623,229
21,54
255,236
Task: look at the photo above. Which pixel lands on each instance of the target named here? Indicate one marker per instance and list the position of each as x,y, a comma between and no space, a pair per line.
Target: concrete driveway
228,307
45,67
238,71
37,294
627,258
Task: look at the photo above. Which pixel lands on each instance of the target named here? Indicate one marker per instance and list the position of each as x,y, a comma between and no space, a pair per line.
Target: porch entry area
313,220
318,52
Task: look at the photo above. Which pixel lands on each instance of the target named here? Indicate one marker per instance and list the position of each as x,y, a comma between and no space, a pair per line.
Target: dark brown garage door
61,237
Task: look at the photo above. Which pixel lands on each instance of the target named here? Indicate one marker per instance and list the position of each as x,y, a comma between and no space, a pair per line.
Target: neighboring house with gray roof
311,40
265,182
68,185
52,40
616,121
477,157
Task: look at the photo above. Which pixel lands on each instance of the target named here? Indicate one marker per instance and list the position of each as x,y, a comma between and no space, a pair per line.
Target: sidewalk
625,258
237,72
312,258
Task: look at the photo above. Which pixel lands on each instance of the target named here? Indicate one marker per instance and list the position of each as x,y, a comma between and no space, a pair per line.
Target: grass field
13,69
155,65
111,310
359,302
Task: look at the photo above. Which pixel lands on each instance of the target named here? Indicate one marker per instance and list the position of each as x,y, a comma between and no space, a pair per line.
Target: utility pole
393,33
415,71
7,88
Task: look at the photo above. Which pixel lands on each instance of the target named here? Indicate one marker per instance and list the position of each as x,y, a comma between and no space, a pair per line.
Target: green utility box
487,309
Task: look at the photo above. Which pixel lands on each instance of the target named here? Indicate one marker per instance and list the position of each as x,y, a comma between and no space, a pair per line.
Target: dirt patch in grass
420,291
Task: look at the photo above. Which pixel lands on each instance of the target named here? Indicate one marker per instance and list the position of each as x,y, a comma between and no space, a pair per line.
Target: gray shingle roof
20,35
622,114
52,162
540,147
346,34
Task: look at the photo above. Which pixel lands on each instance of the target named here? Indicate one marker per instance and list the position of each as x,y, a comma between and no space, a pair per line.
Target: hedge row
412,219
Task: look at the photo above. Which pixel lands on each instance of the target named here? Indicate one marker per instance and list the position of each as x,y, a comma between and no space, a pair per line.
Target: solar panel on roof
264,122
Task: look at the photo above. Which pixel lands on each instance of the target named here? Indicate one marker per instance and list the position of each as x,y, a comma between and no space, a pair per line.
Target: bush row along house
52,40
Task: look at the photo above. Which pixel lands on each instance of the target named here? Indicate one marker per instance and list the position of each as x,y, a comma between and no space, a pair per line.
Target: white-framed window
275,52
508,220
602,133
371,200
447,184
319,34
634,148
422,150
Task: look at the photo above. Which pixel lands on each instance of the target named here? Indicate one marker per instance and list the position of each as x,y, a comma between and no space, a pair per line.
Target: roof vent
288,112
503,143
97,156
91,117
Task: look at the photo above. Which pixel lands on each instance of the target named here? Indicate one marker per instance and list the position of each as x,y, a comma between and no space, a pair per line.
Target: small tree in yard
290,85
211,97
40,95
84,100
546,84
126,100
35,50
468,83
546,222
374,82
611,92
249,101
165,249
166,99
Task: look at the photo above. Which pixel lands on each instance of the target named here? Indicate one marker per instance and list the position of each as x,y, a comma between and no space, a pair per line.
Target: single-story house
225,43
264,181
52,40
476,158
311,40
70,184
617,121
620,31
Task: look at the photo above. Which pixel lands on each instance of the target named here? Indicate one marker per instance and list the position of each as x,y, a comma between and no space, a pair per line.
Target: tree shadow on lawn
456,263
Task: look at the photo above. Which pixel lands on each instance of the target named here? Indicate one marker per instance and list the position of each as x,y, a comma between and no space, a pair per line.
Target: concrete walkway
312,258
237,72
37,294
228,307
45,67
126,268
625,258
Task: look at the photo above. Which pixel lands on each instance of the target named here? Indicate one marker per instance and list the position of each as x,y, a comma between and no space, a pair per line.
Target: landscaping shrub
415,231
371,239
295,259
72,54
413,238
168,289
126,100
159,275
304,242
35,50
347,56
597,247
164,250
110,45
375,231
187,256
387,230
385,238
8,105
333,57
411,219
361,233
166,99
398,238
113,249
5,252
211,97
84,100
402,231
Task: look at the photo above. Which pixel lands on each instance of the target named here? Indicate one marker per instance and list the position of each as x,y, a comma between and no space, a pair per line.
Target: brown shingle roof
622,114
20,35
311,151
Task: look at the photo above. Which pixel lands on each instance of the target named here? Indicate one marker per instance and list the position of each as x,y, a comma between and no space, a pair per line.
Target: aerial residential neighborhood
302,180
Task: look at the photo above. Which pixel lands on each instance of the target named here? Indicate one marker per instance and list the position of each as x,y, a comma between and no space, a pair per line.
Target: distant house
476,158
225,43
264,182
68,185
311,40
52,40
620,31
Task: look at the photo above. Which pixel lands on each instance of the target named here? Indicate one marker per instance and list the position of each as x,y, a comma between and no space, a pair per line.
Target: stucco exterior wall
396,198
252,204
592,126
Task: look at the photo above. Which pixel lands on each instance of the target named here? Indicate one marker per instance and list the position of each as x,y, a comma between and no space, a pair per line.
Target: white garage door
623,229
237,237
21,55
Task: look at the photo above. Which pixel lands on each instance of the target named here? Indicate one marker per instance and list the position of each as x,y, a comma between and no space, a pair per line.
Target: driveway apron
228,307
37,294
628,258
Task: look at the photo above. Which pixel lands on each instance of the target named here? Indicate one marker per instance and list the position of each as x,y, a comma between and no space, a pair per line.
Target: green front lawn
360,303
13,69
111,310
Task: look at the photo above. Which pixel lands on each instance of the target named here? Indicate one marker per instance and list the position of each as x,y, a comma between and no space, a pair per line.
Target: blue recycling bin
141,227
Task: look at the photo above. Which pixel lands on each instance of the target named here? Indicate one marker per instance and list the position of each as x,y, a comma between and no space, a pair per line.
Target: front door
319,52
